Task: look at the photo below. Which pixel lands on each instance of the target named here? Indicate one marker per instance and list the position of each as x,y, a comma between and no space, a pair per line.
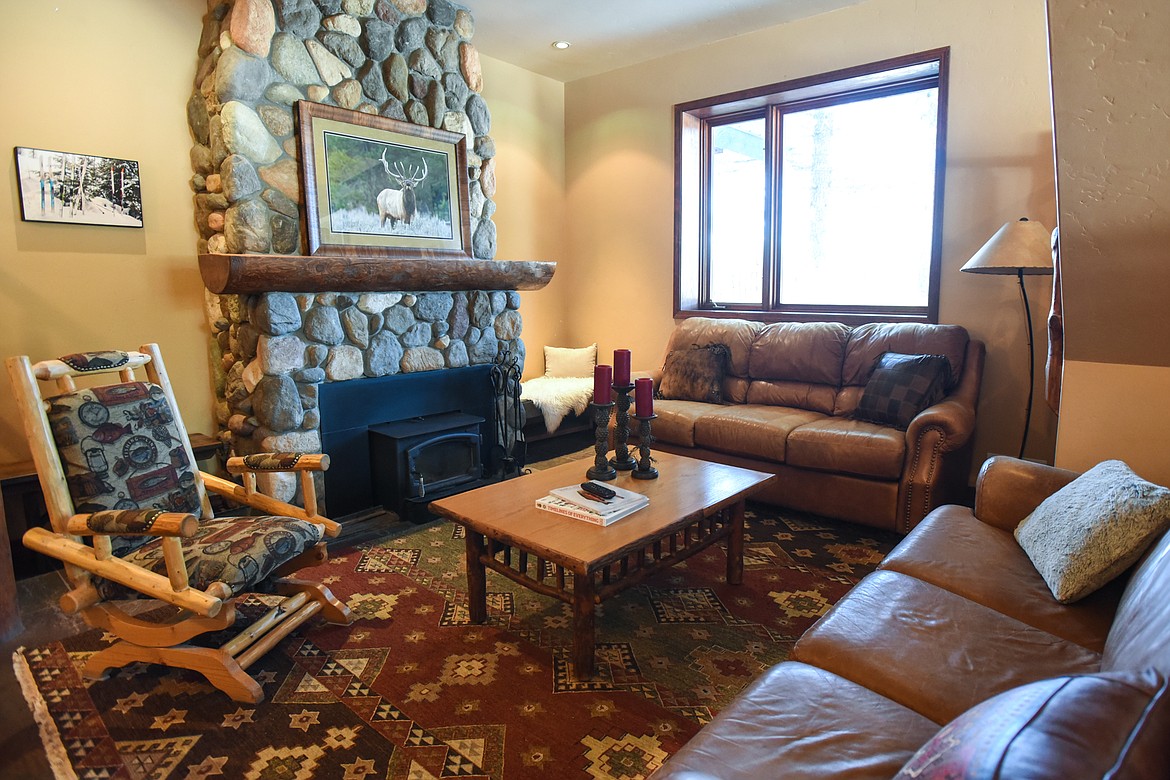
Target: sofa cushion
1138,638
901,386
694,374
1106,725
751,431
931,650
570,362
676,420
951,549
802,395
848,447
868,342
1093,528
807,352
800,721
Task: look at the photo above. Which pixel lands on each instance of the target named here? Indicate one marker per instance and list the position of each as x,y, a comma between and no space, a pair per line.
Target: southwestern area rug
412,690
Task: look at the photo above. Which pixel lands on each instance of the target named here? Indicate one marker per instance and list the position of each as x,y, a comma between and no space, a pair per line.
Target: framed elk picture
379,187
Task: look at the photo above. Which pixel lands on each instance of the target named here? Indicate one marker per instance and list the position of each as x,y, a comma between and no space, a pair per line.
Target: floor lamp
1018,248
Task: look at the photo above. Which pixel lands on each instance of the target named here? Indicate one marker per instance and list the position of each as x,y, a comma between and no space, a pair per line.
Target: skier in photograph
42,194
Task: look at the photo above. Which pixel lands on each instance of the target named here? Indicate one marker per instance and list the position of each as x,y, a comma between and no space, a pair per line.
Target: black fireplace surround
350,409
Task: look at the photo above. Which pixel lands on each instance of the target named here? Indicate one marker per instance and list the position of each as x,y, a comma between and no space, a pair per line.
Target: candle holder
622,460
601,468
644,470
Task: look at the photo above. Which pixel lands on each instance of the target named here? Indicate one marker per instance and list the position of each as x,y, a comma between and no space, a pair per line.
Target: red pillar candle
644,397
602,385
621,367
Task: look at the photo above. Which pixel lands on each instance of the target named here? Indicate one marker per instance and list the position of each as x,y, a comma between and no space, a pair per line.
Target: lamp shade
1022,247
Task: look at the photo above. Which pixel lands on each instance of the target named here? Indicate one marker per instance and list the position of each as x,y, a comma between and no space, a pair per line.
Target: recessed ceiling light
561,45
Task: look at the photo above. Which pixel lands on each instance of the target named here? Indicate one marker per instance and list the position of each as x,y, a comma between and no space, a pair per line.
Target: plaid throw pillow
901,386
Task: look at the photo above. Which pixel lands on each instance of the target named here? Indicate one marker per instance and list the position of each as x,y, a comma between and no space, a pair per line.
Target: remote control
601,491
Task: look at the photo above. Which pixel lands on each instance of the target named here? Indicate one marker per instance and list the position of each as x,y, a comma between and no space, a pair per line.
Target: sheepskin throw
1093,529
555,397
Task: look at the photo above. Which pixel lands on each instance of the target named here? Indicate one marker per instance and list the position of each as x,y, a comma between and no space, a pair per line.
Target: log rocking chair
117,469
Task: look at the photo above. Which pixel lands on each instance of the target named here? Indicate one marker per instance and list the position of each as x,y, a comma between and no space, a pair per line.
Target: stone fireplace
285,328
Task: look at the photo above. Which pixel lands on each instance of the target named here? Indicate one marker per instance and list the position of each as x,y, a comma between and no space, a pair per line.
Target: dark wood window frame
693,123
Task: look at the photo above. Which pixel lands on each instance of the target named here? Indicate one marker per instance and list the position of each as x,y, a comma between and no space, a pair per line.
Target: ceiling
610,34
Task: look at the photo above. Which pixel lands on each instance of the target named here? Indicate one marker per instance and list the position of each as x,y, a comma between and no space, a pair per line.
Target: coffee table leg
476,578
735,547
583,626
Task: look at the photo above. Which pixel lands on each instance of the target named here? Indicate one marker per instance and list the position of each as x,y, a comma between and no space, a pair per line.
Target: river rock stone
418,335
436,103
475,199
419,84
370,77
318,93
384,355
435,39
238,178
284,94
483,243
457,91
286,234
376,303
348,94
342,23
344,46
291,60
485,147
299,17
460,319
378,39
480,309
508,325
411,7
201,159
457,355
449,55
280,203
241,76
197,118
323,325
487,177
411,34
279,121
417,113
441,12
394,109
358,7
422,61
246,227
484,350
309,376
332,69
275,314
422,359
470,67
292,441
244,133
477,112
281,354
386,12
489,209
464,23
499,301
283,176
513,299
252,25
396,74
344,362
276,403
356,327
215,221
433,307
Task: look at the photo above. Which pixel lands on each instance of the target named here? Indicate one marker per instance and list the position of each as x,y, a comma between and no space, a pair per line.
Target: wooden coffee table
693,504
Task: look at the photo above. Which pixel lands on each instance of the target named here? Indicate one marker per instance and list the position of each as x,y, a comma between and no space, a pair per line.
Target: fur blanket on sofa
556,397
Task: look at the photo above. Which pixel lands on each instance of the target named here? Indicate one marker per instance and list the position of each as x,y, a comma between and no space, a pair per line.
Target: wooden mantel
250,274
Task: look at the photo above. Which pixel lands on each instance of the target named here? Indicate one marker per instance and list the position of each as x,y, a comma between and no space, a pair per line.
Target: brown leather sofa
956,614
789,391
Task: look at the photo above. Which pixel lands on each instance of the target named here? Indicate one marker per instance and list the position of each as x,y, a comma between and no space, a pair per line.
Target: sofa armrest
952,416
1008,489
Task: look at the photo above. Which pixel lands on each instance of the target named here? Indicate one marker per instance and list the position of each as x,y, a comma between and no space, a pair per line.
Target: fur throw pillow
695,374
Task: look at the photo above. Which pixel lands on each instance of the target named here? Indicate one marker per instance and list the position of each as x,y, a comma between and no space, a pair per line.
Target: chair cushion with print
238,551
121,448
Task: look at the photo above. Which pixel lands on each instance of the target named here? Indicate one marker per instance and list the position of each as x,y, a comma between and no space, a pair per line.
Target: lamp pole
1031,362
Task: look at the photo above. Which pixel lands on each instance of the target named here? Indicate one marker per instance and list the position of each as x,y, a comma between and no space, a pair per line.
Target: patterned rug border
55,752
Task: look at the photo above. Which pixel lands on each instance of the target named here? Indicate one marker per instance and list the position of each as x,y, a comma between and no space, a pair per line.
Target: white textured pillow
1093,529
565,362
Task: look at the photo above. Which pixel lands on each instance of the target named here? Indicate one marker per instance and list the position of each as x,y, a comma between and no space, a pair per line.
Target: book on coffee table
570,502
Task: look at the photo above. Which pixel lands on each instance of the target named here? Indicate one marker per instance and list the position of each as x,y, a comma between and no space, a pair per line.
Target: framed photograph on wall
377,186
78,189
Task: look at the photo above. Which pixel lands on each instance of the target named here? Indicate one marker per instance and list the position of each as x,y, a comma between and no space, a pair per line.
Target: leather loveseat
789,394
956,616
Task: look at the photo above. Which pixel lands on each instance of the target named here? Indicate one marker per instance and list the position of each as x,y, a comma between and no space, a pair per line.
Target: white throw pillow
565,362
1093,529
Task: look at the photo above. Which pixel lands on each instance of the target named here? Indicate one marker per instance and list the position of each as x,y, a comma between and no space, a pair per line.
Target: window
815,199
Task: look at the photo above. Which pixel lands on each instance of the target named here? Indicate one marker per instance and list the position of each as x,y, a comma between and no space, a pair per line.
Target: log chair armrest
1008,489
277,461
247,495
134,522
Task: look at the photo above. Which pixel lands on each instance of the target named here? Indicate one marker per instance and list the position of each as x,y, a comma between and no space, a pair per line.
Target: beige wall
109,78
620,175
1111,86
528,126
